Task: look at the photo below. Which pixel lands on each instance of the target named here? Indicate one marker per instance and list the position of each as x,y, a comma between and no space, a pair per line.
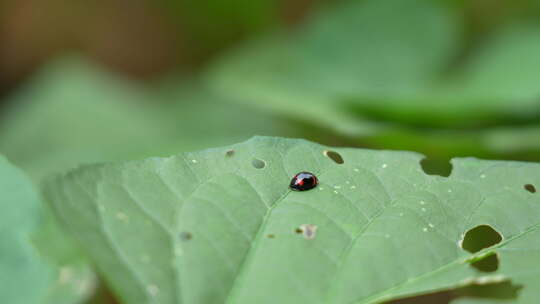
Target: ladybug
304,181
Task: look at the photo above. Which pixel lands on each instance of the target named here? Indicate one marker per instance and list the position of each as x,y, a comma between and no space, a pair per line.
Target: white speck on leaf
425,229
122,216
489,279
309,231
431,225
85,286
422,203
384,166
423,209
355,169
152,289
178,250
483,176
353,187
194,161
65,275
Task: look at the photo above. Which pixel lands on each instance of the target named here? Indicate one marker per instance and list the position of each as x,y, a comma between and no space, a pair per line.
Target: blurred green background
105,80
89,81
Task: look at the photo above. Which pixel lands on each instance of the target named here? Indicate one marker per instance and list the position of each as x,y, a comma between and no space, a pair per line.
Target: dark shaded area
417,119
103,295
487,264
436,167
480,237
496,291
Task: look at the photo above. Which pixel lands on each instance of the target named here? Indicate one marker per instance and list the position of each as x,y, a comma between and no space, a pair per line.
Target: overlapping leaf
29,275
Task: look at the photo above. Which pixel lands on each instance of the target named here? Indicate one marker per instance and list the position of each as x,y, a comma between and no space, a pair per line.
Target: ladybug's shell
304,181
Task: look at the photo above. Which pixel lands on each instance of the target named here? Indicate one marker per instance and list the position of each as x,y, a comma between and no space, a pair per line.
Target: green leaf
214,227
26,275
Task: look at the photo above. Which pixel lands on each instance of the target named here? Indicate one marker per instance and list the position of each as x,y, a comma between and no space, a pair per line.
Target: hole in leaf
436,167
530,187
229,153
485,292
186,236
257,163
489,263
336,157
480,237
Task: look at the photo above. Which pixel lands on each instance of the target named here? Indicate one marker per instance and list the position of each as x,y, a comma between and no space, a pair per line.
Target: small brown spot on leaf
186,236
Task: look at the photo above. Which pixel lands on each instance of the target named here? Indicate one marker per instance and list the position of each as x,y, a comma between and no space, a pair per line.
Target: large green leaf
28,275
222,225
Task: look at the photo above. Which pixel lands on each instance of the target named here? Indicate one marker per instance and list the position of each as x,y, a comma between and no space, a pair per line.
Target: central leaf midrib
375,298
244,264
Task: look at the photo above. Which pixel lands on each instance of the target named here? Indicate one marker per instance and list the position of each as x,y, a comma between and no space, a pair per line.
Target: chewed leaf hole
489,263
336,157
186,236
530,187
480,237
257,163
436,167
229,153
